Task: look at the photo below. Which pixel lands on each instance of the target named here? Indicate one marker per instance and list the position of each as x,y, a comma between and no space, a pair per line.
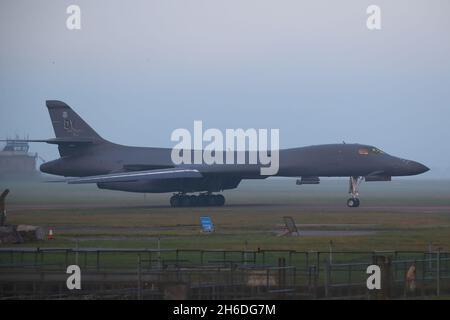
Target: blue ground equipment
207,225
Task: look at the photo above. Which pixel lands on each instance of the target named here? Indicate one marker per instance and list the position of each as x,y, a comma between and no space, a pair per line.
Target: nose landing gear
353,202
202,200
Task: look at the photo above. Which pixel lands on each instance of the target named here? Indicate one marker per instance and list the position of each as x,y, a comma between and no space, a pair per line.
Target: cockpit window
376,151
363,151
367,151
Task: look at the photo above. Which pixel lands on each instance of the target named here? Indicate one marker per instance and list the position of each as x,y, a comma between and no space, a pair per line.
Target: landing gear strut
202,200
353,202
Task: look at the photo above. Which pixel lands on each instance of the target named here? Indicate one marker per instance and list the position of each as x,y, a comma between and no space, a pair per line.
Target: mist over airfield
137,70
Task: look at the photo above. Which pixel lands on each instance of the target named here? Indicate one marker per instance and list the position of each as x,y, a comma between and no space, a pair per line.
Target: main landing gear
353,202
202,200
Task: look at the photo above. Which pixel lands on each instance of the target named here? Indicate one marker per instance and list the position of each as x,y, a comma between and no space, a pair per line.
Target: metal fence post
318,262
326,278
76,252
307,260
245,252
139,284
294,277
438,272
98,260
159,253
331,251
36,257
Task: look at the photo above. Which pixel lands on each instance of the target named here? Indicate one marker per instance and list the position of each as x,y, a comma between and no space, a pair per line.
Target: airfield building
15,159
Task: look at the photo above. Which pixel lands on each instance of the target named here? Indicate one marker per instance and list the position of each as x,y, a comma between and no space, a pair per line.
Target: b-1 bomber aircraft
88,158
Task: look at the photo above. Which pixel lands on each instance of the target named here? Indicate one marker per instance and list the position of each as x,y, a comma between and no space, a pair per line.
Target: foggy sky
137,70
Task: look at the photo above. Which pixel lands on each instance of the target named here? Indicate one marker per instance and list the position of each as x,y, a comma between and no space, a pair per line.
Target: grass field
405,214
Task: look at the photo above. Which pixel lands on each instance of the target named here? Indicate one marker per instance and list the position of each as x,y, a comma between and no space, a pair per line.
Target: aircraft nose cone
418,168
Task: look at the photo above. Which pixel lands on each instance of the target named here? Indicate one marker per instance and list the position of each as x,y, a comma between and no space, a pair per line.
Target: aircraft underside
184,189
181,187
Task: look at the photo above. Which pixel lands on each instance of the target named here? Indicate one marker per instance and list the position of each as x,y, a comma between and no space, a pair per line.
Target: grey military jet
88,158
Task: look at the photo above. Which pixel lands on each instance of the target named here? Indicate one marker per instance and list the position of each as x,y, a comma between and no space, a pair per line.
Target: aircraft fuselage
331,160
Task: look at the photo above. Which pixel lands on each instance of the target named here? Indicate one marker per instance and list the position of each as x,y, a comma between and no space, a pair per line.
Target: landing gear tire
185,201
220,200
202,200
212,200
193,201
353,202
175,201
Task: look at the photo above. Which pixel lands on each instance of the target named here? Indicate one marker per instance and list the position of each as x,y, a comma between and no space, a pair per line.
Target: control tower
16,160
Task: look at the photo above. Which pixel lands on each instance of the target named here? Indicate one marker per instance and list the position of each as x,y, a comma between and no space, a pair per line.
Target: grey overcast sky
137,70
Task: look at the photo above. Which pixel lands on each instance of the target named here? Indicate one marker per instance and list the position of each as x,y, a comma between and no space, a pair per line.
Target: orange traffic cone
50,235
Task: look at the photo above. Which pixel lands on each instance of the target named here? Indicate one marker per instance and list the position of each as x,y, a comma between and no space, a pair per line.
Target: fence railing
429,276
244,273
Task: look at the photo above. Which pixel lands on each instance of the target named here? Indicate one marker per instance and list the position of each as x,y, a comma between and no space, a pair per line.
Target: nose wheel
353,202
